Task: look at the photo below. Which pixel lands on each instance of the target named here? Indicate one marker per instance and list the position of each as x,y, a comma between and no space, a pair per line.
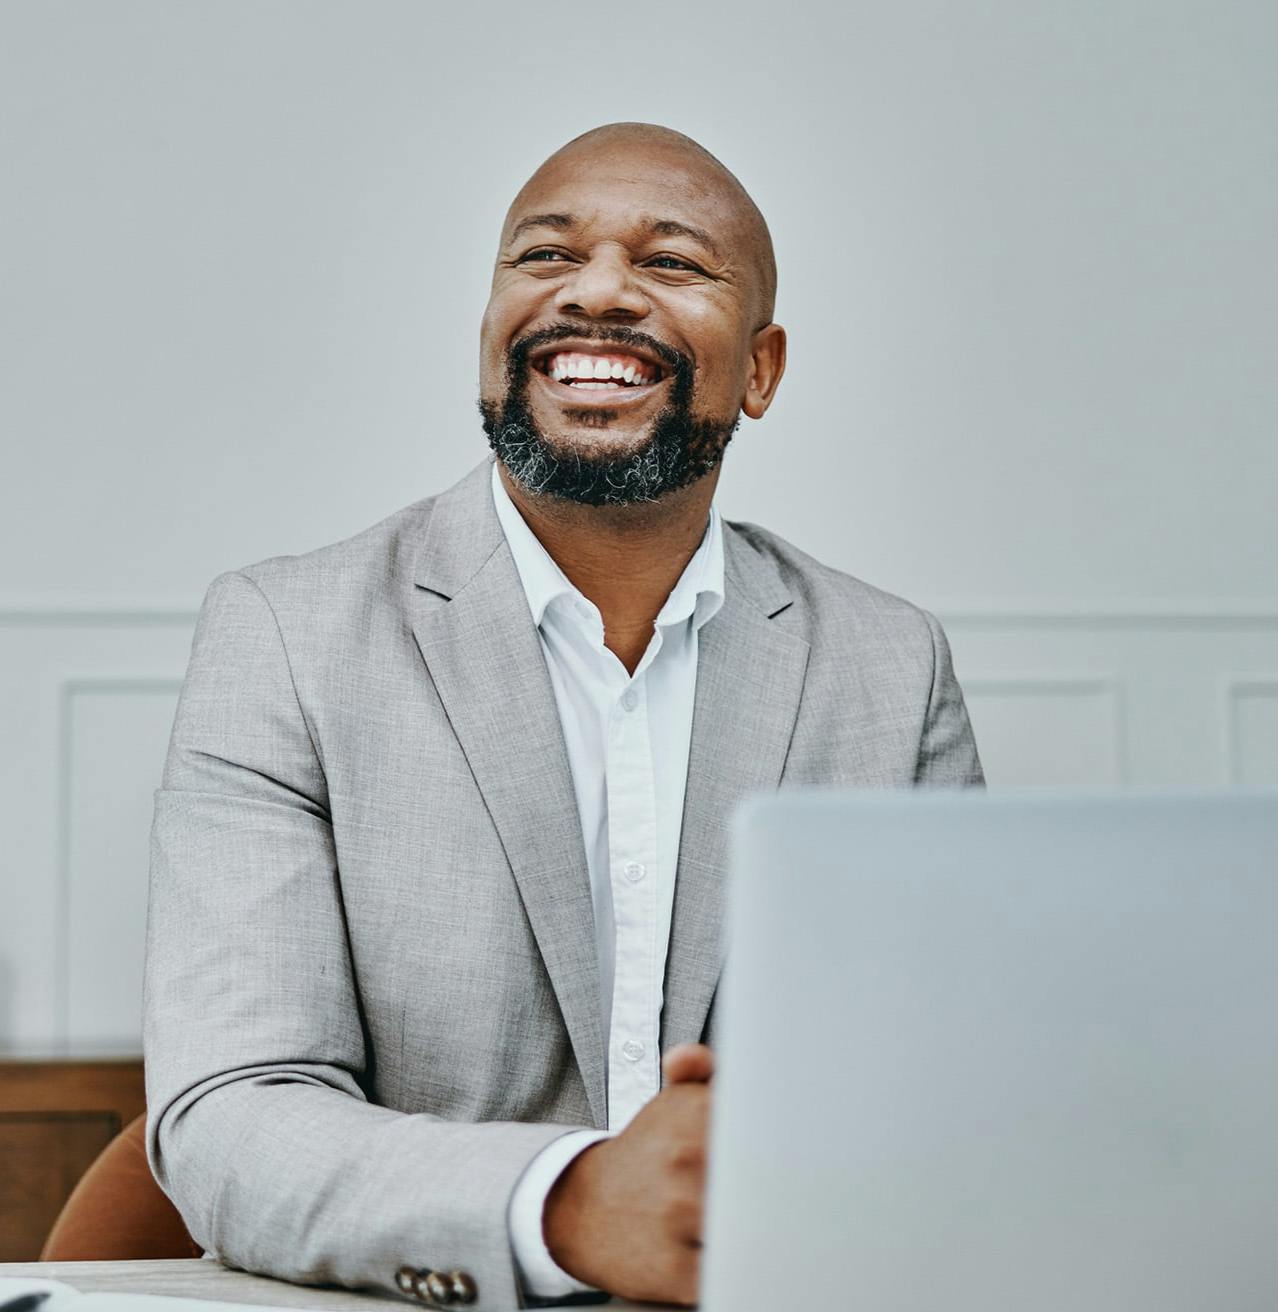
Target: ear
767,364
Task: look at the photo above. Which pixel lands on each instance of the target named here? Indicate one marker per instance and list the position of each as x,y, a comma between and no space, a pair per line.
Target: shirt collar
698,592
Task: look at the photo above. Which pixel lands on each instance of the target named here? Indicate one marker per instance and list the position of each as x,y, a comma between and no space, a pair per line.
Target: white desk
197,1278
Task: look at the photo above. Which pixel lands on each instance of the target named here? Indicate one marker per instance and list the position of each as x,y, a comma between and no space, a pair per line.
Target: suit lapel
477,638
483,653
750,675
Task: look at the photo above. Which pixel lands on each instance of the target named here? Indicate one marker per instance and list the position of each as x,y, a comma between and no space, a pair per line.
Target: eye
672,262
543,255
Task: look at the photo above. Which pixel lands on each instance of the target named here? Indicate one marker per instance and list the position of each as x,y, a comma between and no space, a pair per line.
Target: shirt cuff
541,1275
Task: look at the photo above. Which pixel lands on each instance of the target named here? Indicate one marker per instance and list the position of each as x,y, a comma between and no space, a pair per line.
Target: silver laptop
998,1053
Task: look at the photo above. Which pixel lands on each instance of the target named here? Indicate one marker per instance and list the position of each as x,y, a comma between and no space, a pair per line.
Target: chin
574,431
599,442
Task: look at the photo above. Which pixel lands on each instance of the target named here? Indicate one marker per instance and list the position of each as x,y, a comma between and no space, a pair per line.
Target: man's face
616,346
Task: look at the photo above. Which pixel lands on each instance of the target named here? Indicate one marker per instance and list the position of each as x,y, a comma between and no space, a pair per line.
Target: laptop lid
984,1052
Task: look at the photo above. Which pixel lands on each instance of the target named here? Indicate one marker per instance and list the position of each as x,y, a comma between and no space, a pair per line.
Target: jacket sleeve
947,751
259,1124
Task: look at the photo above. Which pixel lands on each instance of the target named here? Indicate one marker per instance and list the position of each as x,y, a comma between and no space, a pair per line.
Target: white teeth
604,370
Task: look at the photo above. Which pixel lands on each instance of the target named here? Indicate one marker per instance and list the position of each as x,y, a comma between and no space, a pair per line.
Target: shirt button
632,1050
630,699
634,871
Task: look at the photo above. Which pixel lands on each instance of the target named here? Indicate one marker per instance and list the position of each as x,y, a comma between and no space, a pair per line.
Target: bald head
687,170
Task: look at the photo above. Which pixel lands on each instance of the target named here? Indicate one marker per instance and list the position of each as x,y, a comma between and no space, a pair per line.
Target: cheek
721,357
510,311
494,340
491,326
491,370
721,377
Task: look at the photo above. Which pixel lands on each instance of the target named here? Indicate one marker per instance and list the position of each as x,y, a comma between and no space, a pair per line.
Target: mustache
676,361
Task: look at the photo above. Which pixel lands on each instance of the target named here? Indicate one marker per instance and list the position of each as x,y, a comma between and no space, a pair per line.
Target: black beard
679,450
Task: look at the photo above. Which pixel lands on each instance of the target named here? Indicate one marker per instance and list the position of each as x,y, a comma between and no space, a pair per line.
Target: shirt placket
633,1056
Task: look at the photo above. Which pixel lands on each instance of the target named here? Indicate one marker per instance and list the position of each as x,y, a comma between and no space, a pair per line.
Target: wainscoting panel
1252,721
1058,731
1101,699
1075,699
115,732
86,703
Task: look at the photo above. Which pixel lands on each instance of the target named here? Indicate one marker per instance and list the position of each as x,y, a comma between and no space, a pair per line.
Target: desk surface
199,1278
196,1278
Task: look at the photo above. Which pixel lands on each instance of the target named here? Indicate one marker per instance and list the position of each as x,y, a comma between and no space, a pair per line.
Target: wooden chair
117,1212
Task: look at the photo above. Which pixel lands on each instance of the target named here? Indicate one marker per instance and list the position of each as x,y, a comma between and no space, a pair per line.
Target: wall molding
1259,615
1039,683
1193,613
95,614
1048,683
1234,688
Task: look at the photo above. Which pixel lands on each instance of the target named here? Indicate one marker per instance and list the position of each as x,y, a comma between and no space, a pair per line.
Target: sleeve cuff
540,1274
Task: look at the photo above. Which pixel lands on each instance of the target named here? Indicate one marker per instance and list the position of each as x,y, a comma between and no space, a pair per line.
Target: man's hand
626,1215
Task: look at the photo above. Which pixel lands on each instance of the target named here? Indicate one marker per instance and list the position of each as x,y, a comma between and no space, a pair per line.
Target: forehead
622,189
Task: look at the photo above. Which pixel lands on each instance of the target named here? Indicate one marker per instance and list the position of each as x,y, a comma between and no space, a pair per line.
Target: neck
625,559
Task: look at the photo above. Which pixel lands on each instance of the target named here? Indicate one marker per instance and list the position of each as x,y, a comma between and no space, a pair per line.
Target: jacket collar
464,531
698,592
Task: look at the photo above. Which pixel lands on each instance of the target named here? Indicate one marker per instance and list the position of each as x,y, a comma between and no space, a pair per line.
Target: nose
603,287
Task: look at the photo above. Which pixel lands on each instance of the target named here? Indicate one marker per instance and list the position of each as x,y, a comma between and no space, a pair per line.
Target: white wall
1027,265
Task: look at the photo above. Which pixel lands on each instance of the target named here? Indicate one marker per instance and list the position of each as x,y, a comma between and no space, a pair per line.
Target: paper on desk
24,1294
30,1295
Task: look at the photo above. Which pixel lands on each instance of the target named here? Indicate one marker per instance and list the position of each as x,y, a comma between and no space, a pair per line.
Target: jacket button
404,1278
464,1288
436,1287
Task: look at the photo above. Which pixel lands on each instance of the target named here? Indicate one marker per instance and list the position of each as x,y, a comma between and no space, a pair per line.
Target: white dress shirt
627,739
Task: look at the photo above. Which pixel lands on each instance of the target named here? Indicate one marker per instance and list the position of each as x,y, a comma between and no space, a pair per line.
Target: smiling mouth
590,372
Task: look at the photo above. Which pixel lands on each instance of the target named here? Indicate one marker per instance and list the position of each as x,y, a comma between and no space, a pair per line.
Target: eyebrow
673,228
657,227
560,222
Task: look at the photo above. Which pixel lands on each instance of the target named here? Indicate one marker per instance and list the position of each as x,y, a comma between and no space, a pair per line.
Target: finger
688,1063
687,1275
684,1219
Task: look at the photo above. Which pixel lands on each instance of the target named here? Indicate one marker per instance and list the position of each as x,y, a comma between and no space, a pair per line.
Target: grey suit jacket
371,987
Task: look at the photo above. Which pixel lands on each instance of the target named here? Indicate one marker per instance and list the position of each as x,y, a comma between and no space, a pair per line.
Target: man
439,855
